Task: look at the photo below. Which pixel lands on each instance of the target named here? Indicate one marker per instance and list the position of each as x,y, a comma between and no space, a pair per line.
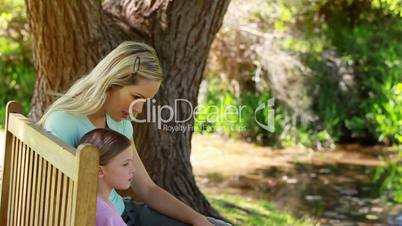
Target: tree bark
61,49
70,37
183,41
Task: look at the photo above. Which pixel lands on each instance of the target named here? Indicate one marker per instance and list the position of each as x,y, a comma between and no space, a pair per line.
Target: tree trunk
59,29
70,37
182,43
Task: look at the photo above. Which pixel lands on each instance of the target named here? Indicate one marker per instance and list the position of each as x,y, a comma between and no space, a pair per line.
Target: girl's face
119,171
119,99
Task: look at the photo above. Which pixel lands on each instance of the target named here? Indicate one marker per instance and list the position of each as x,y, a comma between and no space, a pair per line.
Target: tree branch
139,15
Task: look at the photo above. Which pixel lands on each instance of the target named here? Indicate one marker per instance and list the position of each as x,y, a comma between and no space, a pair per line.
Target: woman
102,99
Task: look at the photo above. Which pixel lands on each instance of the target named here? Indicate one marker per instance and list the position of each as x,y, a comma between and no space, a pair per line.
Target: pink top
106,214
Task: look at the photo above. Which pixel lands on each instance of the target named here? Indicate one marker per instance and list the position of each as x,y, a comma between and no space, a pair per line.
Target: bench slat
24,184
52,195
64,196
47,195
34,186
85,189
47,146
29,187
40,195
12,176
58,198
18,184
70,196
5,210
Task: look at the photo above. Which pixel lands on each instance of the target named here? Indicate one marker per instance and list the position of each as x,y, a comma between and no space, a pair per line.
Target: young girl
116,171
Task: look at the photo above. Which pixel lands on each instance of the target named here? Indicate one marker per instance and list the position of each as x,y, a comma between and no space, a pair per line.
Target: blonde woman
102,99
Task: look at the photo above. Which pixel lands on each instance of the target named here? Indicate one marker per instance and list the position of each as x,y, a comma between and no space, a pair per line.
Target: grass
249,212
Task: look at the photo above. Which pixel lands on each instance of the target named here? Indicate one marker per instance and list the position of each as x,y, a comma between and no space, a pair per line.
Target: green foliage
224,112
356,65
353,52
16,69
233,116
389,177
392,6
375,56
361,40
388,116
17,79
245,211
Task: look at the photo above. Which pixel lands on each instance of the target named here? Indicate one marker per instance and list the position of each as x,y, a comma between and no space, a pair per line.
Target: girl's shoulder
106,215
103,206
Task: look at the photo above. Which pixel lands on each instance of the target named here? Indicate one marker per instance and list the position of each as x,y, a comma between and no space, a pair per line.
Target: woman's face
119,171
120,98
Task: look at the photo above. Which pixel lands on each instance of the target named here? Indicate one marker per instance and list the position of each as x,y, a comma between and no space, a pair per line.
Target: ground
332,187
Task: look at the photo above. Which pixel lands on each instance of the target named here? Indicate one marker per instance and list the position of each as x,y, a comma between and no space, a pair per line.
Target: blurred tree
70,36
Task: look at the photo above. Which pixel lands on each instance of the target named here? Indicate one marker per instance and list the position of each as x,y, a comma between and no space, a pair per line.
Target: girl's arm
161,200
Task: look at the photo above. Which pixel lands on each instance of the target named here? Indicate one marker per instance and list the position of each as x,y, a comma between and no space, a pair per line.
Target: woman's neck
98,119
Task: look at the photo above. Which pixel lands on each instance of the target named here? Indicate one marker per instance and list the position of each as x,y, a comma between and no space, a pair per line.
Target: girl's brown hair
109,142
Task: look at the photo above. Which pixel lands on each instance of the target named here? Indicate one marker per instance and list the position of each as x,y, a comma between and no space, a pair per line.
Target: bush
355,65
375,57
389,177
222,112
219,112
16,68
388,116
18,78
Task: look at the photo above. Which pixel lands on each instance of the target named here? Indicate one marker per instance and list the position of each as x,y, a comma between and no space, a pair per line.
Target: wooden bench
45,182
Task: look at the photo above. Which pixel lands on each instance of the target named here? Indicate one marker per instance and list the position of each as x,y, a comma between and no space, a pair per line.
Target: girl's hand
202,221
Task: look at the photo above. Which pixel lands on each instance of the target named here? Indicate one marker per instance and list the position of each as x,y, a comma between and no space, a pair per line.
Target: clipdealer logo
162,114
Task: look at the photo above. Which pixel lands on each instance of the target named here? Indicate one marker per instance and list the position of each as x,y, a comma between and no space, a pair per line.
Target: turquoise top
71,127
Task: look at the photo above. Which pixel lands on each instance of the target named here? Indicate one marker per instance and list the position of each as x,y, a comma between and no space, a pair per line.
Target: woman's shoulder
63,125
64,118
62,115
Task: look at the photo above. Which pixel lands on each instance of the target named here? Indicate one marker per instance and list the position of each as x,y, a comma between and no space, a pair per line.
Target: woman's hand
202,221
160,200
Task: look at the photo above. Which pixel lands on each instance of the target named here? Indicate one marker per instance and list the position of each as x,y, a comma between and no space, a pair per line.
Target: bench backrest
45,182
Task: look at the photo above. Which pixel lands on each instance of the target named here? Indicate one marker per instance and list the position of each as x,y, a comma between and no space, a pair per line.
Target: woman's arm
167,204
161,200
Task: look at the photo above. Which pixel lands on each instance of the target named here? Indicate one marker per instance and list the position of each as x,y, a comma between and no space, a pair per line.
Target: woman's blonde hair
127,64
